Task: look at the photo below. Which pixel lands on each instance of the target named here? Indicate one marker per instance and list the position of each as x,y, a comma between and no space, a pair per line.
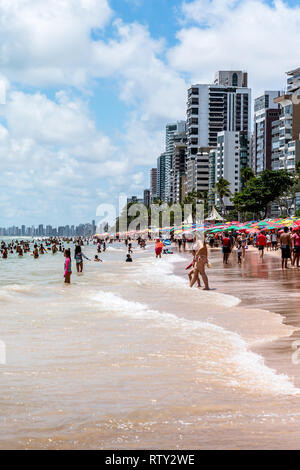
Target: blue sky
91,84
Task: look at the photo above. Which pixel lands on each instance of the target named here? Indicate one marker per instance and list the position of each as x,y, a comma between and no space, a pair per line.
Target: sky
91,84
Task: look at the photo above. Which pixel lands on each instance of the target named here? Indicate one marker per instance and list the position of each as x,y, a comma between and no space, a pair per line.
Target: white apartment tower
230,157
213,108
175,132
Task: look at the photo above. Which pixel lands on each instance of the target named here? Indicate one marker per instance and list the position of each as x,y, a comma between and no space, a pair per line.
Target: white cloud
49,42
145,80
52,152
248,34
52,155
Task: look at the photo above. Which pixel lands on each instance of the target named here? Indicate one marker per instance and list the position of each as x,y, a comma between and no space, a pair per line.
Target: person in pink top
68,267
296,247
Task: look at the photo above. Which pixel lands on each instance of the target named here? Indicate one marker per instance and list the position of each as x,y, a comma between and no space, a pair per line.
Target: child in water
68,266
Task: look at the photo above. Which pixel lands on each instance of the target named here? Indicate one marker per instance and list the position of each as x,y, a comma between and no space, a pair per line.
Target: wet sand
263,287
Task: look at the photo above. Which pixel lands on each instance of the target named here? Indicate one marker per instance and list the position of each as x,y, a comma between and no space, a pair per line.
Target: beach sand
264,290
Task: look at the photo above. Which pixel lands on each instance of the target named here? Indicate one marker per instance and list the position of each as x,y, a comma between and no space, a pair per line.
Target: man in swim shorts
286,246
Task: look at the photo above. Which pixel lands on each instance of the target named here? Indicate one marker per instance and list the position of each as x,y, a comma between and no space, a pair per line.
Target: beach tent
214,216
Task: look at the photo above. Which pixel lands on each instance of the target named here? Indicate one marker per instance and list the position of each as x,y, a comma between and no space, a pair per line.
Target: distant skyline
91,85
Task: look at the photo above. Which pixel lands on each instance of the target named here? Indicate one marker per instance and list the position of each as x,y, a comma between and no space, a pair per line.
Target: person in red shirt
159,248
261,243
226,244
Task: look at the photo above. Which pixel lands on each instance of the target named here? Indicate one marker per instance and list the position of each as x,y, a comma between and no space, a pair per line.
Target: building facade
230,157
197,175
223,106
289,122
153,184
175,132
265,113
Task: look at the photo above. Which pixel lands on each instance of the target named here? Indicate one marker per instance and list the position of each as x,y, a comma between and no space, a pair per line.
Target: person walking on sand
244,245
274,240
286,245
68,266
201,261
296,247
261,243
226,248
239,247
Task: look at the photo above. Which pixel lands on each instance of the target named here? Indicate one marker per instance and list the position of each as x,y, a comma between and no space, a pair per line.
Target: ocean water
129,357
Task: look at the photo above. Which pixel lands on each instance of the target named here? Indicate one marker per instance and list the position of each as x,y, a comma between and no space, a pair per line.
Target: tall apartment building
147,198
265,113
175,132
212,178
197,174
153,183
178,173
275,145
289,122
163,170
229,159
213,108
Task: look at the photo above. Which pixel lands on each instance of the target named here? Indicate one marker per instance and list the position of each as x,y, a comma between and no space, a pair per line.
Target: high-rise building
153,183
213,108
265,113
231,157
198,171
212,177
163,170
275,145
178,172
147,199
175,132
289,122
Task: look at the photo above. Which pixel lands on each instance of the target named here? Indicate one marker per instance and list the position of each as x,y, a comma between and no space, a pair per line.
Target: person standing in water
68,266
79,258
159,248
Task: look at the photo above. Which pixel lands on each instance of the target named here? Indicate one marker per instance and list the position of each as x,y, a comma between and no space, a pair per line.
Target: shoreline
278,328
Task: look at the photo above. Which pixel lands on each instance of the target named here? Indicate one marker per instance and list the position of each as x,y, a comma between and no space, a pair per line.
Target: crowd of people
238,242
287,240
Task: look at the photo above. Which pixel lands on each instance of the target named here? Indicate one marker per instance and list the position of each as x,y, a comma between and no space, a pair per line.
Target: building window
234,79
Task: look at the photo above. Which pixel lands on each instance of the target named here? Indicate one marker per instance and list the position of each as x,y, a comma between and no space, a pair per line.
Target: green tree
259,192
222,189
246,175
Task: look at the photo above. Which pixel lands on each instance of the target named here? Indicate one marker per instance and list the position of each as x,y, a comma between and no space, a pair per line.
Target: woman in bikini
199,268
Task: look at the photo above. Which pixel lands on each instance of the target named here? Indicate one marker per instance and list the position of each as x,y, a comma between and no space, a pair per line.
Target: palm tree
222,190
193,197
